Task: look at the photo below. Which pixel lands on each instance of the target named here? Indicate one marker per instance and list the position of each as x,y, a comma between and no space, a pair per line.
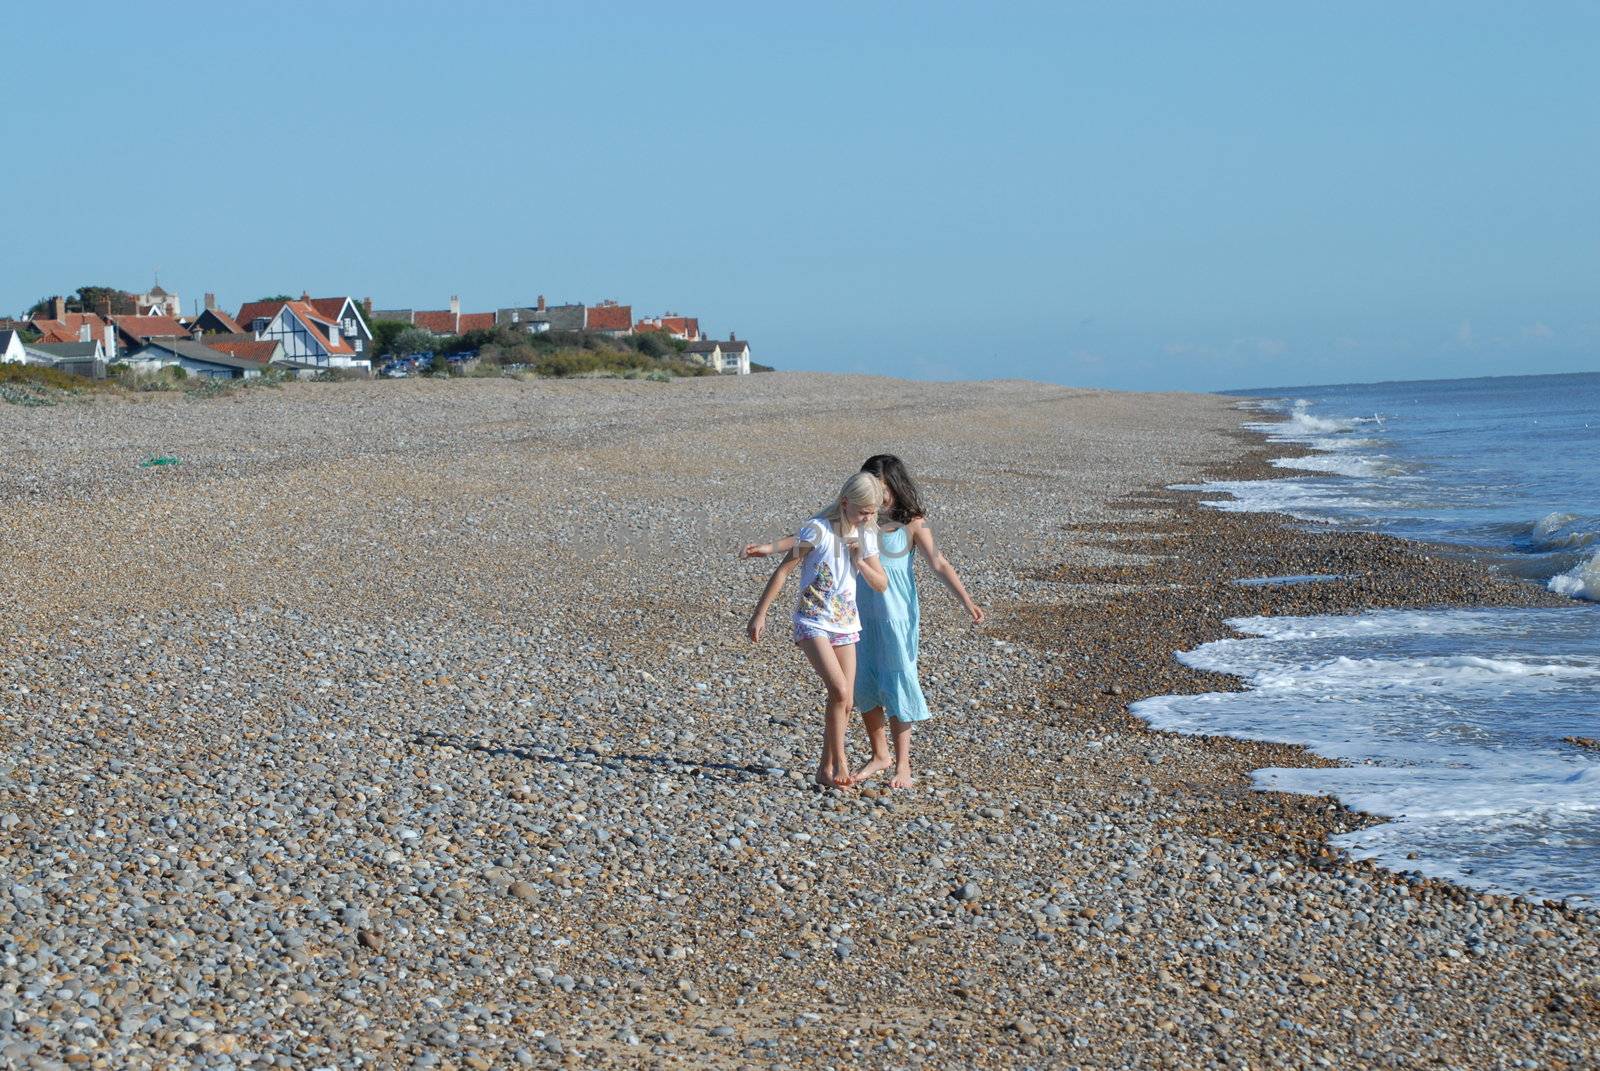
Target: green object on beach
161,459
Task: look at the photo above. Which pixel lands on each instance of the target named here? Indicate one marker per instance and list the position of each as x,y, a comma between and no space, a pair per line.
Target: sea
1453,725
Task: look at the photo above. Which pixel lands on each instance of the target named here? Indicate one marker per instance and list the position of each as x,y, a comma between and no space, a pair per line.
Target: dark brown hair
892,471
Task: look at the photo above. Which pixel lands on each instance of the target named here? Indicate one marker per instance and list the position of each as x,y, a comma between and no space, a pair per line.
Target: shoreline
1375,571
418,725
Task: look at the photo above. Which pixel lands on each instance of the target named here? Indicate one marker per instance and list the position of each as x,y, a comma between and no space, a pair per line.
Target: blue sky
1147,196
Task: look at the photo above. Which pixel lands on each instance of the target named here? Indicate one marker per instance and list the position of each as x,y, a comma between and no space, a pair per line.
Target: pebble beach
414,724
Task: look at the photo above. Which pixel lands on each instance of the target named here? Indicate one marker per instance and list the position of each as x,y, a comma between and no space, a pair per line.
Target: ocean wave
1450,723
1582,581
1343,465
1564,531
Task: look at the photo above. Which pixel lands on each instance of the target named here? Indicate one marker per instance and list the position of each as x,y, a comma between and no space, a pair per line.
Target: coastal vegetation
508,349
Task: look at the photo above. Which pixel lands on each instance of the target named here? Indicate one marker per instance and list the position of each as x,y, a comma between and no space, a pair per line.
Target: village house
672,325
135,331
605,318
64,326
608,318
213,321
730,358
195,358
245,346
451,321
310,338
87,359
157,302
342,313
12,351
541,317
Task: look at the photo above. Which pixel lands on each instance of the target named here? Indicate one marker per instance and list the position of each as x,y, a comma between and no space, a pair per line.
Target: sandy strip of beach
414,724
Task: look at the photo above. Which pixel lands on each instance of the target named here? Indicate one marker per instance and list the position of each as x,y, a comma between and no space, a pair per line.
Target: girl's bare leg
902,754
878,735
837,668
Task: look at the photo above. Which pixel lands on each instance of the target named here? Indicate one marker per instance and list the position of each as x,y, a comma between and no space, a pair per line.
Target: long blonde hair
862,489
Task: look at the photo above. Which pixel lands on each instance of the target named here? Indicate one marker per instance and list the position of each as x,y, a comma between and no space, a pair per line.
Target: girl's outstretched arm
922,536
761,550
758,619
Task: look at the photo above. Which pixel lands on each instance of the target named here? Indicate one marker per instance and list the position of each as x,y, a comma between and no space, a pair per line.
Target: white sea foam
1582,581
1342,464
1451,722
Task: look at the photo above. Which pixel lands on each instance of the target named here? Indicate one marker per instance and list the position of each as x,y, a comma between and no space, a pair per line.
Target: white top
828,578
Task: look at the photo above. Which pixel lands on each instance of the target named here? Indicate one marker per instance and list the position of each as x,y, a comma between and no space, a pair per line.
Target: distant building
730,358
135,331
213,321
344,314
541,317
609,318
686,328
87,359
76,327
12,351
195,358
606,318
157,302
451,321
310,338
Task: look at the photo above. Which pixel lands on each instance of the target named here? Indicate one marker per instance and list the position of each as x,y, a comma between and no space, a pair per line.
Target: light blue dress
886,657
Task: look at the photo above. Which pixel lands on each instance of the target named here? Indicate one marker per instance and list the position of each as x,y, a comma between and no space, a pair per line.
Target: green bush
42,375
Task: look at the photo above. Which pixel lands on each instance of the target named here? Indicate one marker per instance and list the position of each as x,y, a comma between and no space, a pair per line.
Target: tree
412,340
105,300
384,332
276,298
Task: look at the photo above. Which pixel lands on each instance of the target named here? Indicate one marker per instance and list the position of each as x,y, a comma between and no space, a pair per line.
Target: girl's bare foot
825,778
872,769
901,779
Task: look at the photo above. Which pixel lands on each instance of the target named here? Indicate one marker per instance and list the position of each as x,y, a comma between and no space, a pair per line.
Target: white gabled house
310,337
12,351
730,358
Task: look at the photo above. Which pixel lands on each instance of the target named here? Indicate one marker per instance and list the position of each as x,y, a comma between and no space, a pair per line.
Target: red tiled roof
143,327
645,326
439,321
252,309
474,321
66,329
244,349
681,325
608,318
228,323
330,307
332,339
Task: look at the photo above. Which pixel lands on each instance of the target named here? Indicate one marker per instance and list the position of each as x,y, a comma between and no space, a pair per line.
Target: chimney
455,305
211,302
541,302
58,309
305,295
110,344
732,337
366,307
196,333
83,332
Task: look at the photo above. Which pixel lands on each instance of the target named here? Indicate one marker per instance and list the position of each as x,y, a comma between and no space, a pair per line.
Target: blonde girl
831,549
887,688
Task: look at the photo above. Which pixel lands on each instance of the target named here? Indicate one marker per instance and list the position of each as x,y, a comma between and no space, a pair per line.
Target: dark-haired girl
887,690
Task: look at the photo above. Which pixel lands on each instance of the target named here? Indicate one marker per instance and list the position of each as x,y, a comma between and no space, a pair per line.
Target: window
359,343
